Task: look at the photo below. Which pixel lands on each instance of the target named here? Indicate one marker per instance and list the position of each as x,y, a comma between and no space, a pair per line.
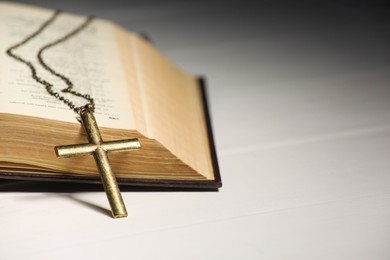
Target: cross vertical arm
90,125
110,184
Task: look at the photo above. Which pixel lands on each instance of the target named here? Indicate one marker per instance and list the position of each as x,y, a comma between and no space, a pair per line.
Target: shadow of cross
99,149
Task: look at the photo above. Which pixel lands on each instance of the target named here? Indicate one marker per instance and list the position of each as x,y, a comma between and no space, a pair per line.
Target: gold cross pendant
99,149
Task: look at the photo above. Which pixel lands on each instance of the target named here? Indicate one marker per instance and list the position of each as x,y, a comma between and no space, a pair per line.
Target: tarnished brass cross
99,149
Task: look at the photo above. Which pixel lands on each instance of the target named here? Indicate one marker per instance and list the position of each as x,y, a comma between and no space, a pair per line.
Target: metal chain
90,106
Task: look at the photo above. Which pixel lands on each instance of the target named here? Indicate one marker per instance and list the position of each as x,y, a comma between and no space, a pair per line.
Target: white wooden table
300,102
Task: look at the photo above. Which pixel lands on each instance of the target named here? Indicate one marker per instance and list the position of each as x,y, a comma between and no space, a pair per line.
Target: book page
172,105
90,59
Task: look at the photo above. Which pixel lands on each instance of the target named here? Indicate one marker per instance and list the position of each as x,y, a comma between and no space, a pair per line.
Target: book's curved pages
138,94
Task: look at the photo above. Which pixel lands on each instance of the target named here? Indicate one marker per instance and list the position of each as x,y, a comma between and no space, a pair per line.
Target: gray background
300,103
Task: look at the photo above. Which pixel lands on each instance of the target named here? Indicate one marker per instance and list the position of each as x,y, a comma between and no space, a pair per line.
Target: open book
138,94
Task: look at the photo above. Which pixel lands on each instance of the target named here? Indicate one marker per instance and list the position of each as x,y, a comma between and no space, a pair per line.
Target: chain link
90,106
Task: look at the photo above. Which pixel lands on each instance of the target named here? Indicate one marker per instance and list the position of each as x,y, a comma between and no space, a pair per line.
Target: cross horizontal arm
121,145
73,150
